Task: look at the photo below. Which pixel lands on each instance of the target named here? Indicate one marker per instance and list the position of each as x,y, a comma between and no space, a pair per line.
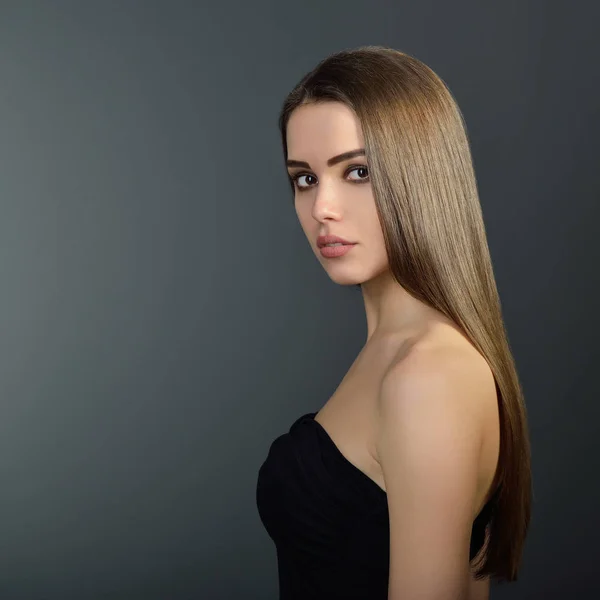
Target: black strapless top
329,520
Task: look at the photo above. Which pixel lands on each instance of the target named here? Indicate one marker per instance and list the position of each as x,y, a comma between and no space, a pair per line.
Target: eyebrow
332,161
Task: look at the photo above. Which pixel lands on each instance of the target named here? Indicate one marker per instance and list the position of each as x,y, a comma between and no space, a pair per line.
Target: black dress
329,520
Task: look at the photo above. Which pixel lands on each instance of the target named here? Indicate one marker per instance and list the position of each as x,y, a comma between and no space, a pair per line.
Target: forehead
319,131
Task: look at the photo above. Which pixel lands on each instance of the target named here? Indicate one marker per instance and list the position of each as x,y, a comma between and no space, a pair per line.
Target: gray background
163,318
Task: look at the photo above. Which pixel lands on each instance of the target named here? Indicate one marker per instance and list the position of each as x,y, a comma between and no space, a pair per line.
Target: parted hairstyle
425,190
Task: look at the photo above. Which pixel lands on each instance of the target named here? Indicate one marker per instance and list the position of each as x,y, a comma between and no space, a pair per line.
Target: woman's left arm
429,442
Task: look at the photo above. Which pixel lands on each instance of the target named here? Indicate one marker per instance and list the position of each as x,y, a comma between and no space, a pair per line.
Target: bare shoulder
440,381
452,364
428,384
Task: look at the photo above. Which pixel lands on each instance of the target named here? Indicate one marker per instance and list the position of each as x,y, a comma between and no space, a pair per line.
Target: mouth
332,241
335,249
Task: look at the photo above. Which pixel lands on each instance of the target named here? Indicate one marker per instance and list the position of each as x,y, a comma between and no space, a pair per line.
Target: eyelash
294,178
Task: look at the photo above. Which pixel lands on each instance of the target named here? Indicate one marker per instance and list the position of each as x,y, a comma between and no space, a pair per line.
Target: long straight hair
424,186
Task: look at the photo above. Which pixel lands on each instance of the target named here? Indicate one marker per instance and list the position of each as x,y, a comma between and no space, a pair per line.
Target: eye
361,168
297,177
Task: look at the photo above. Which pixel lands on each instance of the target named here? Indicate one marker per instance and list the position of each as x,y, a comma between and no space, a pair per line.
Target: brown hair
425,190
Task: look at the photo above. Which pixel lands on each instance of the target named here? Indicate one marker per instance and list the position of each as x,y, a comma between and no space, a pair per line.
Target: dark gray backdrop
163,318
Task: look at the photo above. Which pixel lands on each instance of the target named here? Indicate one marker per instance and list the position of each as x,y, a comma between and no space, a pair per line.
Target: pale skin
417,411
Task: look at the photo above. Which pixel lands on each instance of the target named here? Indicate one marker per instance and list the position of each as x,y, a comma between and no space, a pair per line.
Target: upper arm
428,446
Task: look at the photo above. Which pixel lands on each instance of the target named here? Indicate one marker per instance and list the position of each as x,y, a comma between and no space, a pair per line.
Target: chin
345,278
347,282
354,277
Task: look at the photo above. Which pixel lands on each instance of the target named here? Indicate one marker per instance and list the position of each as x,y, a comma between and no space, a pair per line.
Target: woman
413,480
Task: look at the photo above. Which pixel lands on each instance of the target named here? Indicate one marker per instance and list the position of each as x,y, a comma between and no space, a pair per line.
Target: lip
335,251
322,240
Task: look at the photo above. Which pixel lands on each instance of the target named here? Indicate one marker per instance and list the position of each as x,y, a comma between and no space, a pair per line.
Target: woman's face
337,198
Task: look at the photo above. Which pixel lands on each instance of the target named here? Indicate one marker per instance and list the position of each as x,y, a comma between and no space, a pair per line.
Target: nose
327,203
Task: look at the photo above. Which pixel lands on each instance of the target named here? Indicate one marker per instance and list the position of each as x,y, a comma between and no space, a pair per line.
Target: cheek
374,236
301,217
303,213
307,223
